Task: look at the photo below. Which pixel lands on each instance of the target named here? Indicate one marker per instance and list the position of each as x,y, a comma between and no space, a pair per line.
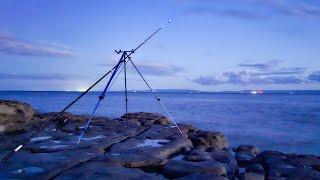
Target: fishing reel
61,121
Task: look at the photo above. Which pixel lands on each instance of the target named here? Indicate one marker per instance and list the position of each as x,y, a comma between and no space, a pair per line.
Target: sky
211,45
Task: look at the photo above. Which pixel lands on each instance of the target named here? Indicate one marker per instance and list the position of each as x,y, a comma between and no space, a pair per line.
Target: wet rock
316,167
303,161
14,116
227,159
185,128
202,177
138,153
137,160
280,165
253,149
293,173
245,158
180,168
103,170
251,176
255,168
215,140
198,155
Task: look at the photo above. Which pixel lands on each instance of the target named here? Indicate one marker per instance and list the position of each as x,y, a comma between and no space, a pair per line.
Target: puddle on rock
57,142
54,147
179,157
29,170
115,154
94,138
50,130
152,143
41,138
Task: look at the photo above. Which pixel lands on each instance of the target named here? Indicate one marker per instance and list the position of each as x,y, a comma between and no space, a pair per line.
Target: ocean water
284,122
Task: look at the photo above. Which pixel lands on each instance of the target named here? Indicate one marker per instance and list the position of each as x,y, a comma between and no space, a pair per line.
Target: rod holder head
118,52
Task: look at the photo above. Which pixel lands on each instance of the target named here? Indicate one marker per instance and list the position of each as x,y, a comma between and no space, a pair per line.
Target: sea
287,121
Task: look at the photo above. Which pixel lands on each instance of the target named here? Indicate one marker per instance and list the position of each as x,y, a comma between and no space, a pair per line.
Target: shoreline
149,149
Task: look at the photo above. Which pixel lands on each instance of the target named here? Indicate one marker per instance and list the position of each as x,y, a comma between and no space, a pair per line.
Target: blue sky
211,45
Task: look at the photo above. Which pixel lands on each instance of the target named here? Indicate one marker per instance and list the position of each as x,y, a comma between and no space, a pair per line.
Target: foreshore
135,146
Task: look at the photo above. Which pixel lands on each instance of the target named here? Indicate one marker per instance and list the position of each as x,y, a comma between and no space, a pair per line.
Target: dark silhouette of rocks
135,146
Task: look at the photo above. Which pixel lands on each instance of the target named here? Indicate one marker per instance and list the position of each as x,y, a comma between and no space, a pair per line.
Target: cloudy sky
211,45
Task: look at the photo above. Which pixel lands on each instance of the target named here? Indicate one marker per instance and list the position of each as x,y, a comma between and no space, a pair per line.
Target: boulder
245,158
253,149
197,155
227,159
209,139
255,168
180,168
280,165
14,116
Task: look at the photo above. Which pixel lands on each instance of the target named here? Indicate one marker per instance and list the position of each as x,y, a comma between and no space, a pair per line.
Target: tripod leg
101,97
125,89
153,93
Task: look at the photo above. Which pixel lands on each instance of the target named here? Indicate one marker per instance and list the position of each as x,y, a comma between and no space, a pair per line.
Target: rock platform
136,146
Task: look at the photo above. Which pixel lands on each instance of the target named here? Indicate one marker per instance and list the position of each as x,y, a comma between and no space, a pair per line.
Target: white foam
29,170
152,143
94,138
115,154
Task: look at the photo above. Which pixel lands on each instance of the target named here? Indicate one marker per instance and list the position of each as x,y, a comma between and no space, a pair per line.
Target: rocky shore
135,146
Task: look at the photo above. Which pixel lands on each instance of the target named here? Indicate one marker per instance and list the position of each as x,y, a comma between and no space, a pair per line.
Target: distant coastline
190,91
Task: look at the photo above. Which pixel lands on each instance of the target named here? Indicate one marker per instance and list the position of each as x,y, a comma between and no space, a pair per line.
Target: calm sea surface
289,123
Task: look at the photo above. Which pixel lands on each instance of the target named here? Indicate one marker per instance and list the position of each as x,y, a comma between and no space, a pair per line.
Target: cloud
261,66
259,73
241,78
261,10
14,46
233,13
8,76
159,69
291,8
154,69
272,68
315,76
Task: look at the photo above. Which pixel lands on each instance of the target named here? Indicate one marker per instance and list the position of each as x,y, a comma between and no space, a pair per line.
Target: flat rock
139,152
180,168
103,170
146,118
